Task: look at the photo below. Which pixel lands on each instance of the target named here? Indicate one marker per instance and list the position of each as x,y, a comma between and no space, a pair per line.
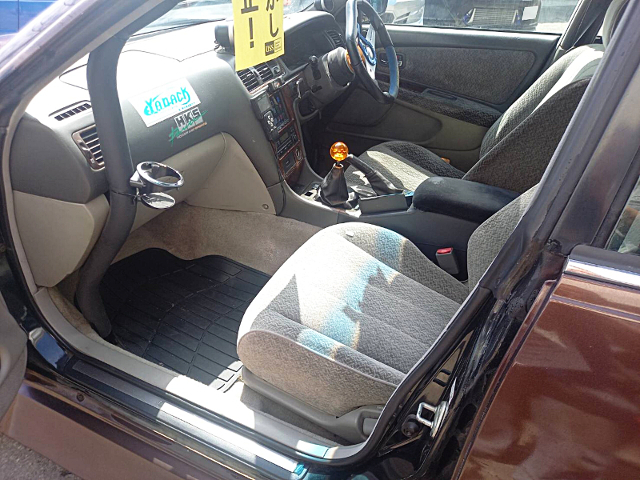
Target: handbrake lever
380,184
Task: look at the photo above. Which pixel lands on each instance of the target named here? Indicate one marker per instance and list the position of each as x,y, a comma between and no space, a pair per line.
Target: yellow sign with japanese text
258,33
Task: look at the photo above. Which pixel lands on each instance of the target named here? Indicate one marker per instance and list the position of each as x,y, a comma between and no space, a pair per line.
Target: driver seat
517,148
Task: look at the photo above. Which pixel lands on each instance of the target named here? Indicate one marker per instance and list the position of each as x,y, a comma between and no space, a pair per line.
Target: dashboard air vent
264,71
89,144
72,110
249,79
336,38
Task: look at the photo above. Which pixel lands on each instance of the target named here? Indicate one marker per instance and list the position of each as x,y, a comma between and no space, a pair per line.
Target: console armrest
462,199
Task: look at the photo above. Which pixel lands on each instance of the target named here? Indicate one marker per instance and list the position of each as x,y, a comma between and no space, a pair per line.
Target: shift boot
333,189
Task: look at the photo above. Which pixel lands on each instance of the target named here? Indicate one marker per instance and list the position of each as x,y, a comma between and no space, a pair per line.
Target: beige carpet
256,240
259,241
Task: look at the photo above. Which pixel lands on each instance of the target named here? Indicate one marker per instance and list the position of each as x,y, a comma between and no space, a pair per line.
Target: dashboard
56,150
183,104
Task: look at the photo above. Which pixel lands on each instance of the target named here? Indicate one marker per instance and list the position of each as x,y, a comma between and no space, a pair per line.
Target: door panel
362,123
13,357
486,75
488,66
454,84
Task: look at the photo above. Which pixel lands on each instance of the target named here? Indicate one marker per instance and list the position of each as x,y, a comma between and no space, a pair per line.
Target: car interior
301,232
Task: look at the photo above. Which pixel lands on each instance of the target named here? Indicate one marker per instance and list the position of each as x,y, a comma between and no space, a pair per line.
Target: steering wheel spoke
371,65
362,50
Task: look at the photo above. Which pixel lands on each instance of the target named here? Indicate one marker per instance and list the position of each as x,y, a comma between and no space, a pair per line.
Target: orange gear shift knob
339,151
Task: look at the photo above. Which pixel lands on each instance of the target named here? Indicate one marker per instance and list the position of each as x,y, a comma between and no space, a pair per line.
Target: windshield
190,12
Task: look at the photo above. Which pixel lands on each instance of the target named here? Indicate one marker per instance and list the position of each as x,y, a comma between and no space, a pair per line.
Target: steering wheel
362,51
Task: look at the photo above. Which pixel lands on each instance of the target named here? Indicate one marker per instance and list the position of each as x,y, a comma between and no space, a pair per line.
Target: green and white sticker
164,102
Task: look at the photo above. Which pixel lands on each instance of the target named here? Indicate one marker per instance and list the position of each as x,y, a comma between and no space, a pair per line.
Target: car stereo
287,139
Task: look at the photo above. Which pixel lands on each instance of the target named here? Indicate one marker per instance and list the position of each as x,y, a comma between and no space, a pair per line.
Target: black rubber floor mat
182,314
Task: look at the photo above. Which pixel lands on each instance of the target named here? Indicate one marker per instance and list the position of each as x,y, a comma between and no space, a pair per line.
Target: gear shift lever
333,189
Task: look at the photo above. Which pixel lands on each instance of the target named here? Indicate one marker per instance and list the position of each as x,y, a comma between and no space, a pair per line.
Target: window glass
550,16
626,236
15,14
190,12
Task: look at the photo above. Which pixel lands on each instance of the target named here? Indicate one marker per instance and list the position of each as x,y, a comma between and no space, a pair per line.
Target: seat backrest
517,148
576,65
554,94
612,18
489,238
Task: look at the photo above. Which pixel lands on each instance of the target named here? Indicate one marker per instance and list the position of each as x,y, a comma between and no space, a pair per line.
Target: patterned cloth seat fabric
348,315
522,140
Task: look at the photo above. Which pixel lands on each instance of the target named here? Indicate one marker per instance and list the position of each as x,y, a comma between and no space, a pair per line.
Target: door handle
385,61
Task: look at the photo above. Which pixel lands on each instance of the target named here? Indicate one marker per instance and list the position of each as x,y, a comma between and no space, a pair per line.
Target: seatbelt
580,32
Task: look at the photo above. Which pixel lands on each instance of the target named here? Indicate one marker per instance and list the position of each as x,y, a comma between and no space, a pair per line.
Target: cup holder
152,180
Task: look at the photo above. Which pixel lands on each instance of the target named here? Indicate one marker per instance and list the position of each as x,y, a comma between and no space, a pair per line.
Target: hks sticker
186,123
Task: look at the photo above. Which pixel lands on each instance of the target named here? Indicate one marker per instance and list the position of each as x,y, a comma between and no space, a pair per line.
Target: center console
273,105
439,217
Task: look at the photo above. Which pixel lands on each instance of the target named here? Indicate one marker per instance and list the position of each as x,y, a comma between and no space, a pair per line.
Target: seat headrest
612,18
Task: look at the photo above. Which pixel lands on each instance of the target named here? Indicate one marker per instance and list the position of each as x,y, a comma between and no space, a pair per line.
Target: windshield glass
190,12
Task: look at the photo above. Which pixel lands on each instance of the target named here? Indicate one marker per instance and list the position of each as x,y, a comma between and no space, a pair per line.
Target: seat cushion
405,164
346,317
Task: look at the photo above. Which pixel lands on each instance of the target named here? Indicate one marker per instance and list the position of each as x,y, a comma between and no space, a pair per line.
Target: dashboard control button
270,120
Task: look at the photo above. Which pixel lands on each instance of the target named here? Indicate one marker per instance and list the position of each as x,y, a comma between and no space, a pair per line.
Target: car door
568,400
461,67
13,357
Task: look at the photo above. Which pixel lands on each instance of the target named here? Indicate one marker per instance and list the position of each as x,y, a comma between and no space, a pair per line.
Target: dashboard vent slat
71,111
249,79
89,144
336,38
264,71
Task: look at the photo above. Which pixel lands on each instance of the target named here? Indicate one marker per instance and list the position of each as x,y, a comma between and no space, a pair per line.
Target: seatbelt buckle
446,260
